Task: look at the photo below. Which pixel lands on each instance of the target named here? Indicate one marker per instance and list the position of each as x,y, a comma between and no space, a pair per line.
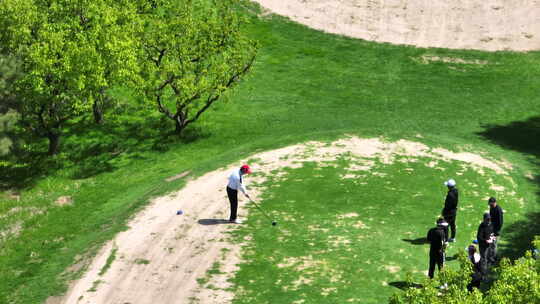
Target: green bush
516,282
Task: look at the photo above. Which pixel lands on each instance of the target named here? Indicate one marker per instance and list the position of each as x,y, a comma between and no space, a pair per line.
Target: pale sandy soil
490,25
161,256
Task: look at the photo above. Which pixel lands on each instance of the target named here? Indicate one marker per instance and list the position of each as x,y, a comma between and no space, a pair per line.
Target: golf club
264,213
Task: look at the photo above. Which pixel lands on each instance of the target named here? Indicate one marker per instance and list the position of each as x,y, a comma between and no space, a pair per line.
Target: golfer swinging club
235,184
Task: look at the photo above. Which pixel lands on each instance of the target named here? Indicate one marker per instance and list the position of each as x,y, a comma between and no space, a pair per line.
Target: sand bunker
161,256
490,25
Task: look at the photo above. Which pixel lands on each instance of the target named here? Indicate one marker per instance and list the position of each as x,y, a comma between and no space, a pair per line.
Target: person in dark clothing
437,240
485,239
496,214
449,211
476,276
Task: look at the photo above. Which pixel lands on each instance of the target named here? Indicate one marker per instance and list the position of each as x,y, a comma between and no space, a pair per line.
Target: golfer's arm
243,189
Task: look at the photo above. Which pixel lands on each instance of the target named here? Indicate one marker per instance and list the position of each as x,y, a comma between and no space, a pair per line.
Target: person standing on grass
496,214
449,211
437,239
235,184
485,239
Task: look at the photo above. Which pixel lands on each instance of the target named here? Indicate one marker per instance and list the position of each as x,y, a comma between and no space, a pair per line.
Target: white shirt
235,182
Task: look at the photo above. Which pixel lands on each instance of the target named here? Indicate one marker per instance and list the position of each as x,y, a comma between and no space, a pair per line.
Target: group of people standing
486,237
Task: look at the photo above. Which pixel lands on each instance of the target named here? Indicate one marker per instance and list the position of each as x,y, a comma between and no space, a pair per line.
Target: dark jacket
451,202
436,239
484,233
496,219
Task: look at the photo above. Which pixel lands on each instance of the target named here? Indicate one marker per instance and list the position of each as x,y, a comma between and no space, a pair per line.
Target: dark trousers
485,253
476,279
451,220
435,258
233,200
492,258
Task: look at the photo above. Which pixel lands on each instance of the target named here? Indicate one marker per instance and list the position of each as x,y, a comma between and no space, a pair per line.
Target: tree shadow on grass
519,236
23,171
88,149
110,144
523,137
418,241
403,285
452,258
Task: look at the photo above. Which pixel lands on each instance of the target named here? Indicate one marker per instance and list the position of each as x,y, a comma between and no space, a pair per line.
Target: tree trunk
180,122
54,143
179,126
98,112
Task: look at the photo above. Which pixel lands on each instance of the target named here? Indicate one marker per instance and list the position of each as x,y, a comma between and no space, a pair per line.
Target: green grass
110,260
305,85
357,239
142,261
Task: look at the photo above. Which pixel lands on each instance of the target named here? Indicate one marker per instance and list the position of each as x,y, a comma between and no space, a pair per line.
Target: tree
9,73
194,51
71,52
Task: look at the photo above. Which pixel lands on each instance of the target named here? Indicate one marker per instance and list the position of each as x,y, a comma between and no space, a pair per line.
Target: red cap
246,169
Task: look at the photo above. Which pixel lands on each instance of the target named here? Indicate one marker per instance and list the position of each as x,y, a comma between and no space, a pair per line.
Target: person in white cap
236,183
449,211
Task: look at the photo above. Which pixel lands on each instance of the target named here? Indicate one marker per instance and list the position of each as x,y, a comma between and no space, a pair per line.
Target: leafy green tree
193,51
71,52
9,73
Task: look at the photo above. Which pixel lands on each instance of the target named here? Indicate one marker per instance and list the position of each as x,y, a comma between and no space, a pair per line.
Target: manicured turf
305,85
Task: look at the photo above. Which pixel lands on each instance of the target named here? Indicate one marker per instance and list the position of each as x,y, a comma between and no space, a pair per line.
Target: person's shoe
451,240
236,221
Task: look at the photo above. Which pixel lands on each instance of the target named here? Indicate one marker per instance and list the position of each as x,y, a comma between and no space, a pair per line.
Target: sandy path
456,24
179,249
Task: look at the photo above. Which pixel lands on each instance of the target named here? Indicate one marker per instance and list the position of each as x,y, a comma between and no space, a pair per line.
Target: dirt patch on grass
64,201
426,59
181,249
473,24
348,215
392,268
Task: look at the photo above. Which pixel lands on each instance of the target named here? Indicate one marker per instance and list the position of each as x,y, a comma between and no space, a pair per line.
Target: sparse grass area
305,85
355,240
214,270
95,286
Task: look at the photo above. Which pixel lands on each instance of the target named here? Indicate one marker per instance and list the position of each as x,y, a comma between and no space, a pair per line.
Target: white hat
450,183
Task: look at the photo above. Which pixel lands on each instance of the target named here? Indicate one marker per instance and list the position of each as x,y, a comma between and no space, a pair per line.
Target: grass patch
214,270
108,263
353,239
95,285
142,262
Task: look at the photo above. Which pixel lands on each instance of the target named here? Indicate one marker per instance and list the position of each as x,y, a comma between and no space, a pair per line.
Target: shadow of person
418,241
404,285
452,258
208,222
